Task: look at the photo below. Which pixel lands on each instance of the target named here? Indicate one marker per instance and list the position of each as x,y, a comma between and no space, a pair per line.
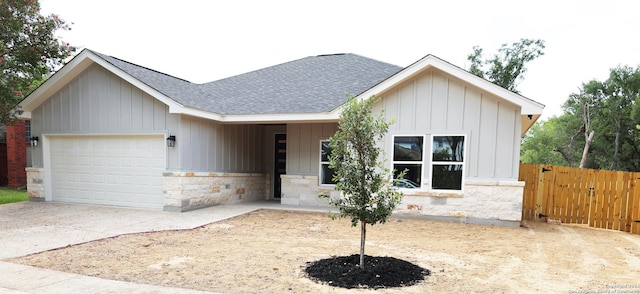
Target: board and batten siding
211,146
303,146
99,102
436,103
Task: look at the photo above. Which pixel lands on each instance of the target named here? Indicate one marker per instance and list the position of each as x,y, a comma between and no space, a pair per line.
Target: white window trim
424,158
463,163
320,165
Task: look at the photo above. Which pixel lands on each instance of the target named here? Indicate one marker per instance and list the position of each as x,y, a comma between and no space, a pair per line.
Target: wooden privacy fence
600,198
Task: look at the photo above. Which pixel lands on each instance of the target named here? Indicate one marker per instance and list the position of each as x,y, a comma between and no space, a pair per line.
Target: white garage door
108,170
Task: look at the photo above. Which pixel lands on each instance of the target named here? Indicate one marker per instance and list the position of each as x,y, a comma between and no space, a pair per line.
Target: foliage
368,195
507,67
29,51
610,109
538,143
12,196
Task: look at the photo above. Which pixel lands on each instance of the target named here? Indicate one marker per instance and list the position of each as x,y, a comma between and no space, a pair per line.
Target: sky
203,41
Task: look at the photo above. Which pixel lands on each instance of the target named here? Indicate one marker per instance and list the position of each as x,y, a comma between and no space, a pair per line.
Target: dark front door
280,164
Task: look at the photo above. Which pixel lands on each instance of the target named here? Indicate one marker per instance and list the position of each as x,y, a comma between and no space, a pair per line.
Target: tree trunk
616,147
585,151
363,236
567,155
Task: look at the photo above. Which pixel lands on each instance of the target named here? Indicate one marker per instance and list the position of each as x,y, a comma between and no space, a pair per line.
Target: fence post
634,205
540,192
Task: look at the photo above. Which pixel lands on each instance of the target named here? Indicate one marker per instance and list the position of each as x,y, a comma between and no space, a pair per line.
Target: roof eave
72,70
56,82
530,110
270,118
528,106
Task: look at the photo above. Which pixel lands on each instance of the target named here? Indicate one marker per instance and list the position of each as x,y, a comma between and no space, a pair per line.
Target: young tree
507,67
368,195
29,51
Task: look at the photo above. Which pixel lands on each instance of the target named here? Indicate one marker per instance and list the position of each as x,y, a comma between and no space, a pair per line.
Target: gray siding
303,146
99,102
435,103
210,146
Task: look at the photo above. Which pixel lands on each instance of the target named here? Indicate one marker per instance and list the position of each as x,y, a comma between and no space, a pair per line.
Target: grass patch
12,195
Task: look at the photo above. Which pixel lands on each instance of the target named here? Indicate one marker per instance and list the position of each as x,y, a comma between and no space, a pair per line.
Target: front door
280,164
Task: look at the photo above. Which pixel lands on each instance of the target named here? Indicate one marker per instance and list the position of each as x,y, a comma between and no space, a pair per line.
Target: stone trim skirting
35,183
185,191
499,201
304,191
482,202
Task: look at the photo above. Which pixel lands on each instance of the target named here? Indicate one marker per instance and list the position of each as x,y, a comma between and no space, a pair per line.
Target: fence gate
599,198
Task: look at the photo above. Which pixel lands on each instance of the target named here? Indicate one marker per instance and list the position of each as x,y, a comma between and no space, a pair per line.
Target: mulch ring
378,272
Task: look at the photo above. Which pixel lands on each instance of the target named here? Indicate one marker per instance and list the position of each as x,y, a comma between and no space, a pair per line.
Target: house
114,133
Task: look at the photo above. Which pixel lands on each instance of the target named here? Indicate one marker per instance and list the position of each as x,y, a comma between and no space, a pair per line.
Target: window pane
411,178
325,151
327,175
448,148
447,177
407,148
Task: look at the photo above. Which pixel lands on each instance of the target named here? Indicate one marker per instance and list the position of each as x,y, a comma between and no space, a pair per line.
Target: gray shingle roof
308,85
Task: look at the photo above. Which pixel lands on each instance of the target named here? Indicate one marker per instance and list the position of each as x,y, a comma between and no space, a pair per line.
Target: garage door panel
108,170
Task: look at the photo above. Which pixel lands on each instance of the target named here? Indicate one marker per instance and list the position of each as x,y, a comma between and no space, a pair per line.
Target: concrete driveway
31,227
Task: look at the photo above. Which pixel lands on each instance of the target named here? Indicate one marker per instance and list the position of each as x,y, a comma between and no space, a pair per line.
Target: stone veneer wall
185,191
35,183
305,191
483,202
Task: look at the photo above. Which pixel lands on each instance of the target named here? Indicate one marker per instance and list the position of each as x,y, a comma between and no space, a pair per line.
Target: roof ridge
331,54
137,65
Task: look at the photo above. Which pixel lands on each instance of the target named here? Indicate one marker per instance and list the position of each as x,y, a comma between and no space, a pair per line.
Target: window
326,173
407,156
27,132
447,162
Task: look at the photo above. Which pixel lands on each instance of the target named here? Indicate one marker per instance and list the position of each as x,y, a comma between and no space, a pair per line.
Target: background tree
507,67
622,90
601,118
29,51
538,143
579,112
368,194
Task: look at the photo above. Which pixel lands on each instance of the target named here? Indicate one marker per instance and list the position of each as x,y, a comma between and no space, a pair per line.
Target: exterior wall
301,185
188,191
35,183
303,147
434,103
16,155
99,102
205,145
484,202
305,191
4,167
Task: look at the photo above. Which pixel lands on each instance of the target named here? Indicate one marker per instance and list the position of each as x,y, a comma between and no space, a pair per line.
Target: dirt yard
267,250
